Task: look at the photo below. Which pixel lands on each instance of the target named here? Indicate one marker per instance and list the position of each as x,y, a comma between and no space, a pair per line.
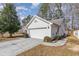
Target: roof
57,21
38,18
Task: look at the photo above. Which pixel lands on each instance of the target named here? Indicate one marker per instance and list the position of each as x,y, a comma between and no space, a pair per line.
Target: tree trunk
11,35
72,25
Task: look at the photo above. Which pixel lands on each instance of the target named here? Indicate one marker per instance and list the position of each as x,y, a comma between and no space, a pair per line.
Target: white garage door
39,32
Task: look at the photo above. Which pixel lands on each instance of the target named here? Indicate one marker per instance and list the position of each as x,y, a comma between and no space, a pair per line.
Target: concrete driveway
14,47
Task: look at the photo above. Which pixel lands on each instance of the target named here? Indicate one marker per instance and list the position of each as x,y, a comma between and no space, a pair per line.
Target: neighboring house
76,33
75,30
39,27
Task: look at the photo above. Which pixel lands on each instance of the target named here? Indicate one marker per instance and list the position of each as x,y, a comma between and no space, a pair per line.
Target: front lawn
70,49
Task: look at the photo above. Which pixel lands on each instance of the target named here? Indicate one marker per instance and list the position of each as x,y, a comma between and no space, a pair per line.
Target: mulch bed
57,43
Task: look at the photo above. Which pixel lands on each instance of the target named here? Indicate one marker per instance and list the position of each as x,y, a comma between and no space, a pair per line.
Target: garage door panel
39,33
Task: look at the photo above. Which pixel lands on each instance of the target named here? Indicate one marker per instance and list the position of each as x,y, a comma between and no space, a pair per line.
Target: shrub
26,35
68,35
47,39
57,37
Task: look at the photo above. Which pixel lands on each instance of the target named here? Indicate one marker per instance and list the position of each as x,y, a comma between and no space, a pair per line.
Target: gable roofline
35,16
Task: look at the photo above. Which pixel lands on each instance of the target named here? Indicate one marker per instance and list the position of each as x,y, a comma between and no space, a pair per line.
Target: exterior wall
39,29
62,30
53,30
76,33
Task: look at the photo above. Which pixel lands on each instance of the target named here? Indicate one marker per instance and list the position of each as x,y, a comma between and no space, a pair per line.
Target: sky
24,9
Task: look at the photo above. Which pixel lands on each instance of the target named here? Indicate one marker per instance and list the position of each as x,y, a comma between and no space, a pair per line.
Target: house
75,29
39,27
76,33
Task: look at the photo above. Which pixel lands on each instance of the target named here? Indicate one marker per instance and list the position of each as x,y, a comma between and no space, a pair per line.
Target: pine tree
10,19
58,12
45,12
26,20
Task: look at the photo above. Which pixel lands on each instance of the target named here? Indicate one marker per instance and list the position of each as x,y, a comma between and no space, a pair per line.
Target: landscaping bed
58,43
57,40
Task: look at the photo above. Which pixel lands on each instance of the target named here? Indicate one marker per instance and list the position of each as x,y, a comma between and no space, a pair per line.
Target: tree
75,16
2,25
10,19
58,13
49,11
26,20
45,12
